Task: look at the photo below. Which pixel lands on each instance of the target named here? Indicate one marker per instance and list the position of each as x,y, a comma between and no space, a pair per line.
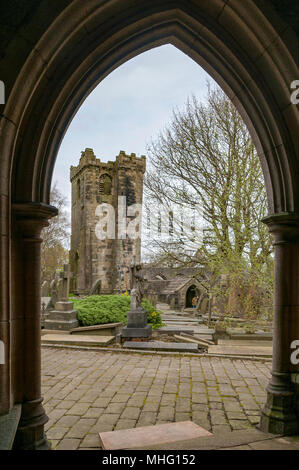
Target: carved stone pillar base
280,414
30,434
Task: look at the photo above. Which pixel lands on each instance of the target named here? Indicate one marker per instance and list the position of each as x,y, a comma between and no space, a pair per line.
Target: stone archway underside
59,56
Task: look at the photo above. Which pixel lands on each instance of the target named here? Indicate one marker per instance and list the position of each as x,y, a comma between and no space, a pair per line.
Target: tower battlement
88,158
131,160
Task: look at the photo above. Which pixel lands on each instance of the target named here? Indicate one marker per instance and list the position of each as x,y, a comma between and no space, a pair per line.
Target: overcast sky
129,107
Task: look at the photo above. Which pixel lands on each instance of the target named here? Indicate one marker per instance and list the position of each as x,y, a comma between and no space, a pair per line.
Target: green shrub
153,315
100,309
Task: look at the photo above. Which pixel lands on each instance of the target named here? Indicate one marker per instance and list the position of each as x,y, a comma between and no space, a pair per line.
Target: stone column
280,414
30,219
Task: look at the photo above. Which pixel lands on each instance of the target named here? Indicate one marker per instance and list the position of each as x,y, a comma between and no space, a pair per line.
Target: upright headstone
204,305
44,309
59,288
96,288
137,326
53,294
63,317
45,289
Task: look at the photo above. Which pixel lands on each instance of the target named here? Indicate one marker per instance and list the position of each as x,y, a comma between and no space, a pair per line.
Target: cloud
129,107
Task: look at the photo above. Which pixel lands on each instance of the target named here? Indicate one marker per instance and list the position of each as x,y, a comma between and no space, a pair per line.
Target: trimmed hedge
100,309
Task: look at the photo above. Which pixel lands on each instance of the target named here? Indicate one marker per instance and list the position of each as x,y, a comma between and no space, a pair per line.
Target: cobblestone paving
86,392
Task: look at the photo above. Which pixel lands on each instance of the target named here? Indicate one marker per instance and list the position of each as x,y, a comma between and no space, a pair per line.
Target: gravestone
44,311
53,293
63,317
60,285
45,289
96,288
204,305
137,326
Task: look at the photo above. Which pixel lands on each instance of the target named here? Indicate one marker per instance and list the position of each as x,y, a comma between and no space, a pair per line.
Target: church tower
102,265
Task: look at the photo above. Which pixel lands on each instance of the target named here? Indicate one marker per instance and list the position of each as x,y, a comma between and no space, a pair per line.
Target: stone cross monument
63,317
137,326
136,285
65,276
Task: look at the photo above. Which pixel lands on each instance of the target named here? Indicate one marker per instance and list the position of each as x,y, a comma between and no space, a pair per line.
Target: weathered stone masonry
102,266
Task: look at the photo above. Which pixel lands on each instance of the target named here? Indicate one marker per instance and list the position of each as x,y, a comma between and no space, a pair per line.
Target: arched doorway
190,293
68,52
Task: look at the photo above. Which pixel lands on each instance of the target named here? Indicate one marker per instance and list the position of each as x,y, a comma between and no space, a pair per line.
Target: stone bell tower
102,265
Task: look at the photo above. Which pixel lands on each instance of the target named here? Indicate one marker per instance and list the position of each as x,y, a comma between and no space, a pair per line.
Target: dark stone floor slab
161,346
8,427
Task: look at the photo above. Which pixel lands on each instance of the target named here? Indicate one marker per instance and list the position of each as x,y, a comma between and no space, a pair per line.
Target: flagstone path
86,392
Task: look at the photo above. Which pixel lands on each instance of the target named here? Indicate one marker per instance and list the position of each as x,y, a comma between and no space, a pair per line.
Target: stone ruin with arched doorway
173,286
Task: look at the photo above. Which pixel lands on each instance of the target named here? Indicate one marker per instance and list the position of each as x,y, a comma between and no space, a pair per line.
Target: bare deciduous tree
206,156
54,250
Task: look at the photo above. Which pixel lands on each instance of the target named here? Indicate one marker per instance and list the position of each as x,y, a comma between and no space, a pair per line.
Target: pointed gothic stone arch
62,54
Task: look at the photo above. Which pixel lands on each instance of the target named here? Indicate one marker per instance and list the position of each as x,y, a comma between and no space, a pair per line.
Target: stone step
204,331
44,332
197,331
263,351
77,340
191,340
180,316
161,346
205,337
141,437
243,342
258,336
179,319
179,322
172,330
161,306
108,329
197,337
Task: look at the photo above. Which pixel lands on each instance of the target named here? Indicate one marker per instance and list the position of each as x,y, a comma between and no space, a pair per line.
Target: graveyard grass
100,309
